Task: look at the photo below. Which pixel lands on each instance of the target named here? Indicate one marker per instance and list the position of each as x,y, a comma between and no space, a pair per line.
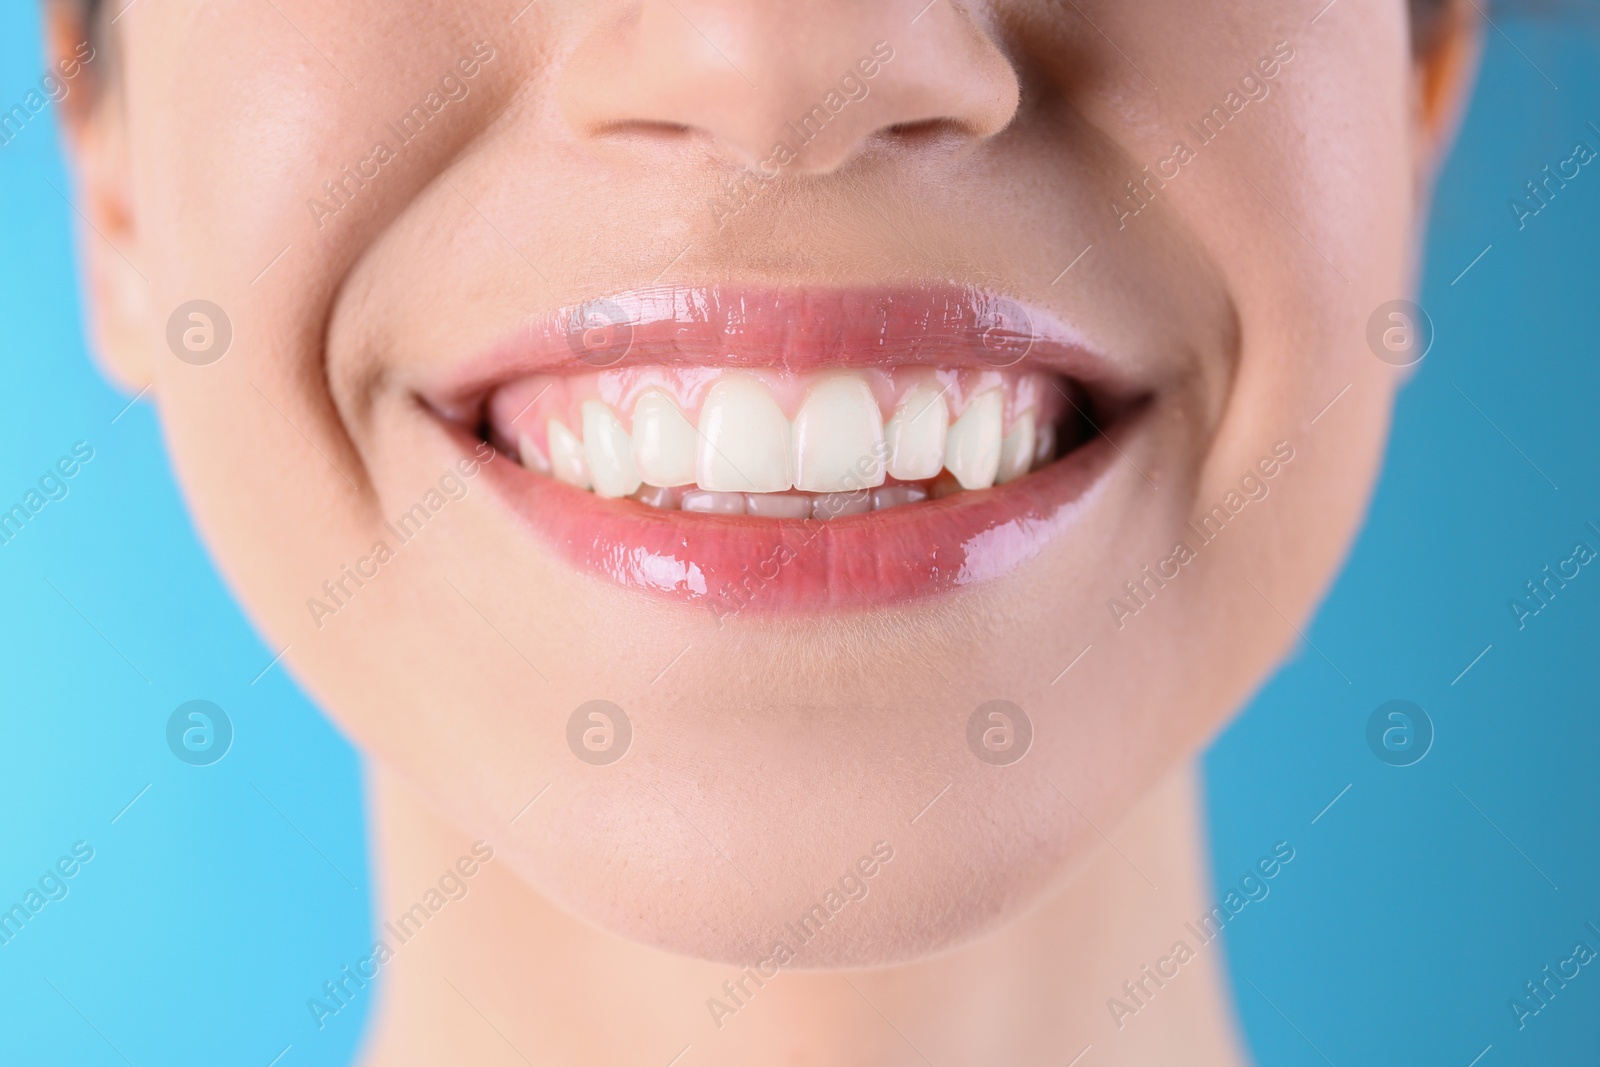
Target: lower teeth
821,506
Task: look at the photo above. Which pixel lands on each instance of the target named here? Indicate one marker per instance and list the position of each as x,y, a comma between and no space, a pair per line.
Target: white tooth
1044,445
838,437
893,496
1016,450
566,454
663,441
778,505
530,456
659,498
744,440
916,434
609,451
972,451
714,503
833,505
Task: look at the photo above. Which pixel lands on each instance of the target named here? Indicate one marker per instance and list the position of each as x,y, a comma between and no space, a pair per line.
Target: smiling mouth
782,444
777,449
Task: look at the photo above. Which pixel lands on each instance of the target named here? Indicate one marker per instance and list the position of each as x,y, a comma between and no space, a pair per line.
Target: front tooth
713,503
838,437
778,505
972,450
663,441
1016,450
916,434
894,496
744,440
609,451
667,499
566,454
836,505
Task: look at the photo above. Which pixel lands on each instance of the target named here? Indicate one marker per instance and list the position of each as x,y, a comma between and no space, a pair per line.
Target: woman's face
699,251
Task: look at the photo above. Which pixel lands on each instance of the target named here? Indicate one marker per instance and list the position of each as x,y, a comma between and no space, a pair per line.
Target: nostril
646,130
658,81
926,132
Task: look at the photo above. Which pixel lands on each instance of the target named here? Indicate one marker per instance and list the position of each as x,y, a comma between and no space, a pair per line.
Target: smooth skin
595,151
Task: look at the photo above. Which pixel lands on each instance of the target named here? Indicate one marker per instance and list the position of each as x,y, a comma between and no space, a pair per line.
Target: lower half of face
880,436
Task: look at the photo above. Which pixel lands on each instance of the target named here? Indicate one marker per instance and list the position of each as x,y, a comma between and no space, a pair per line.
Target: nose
797,86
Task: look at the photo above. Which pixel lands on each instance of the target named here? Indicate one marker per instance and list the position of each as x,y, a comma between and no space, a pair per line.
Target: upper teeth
972,447
744,440
838,438
663,441
917,434
567,455
837,441
609,450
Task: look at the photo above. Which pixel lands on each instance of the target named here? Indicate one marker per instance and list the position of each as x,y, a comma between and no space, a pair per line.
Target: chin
810,880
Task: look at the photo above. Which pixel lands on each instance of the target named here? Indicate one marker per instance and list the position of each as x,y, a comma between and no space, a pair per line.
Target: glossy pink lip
786,328
733,565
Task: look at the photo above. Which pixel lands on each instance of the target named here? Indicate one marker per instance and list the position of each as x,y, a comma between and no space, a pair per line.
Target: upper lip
785,328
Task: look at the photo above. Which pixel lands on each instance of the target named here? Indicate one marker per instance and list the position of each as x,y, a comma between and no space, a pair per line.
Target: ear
117,297
1447,45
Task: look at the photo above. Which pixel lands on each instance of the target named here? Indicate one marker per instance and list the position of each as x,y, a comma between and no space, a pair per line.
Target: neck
501,976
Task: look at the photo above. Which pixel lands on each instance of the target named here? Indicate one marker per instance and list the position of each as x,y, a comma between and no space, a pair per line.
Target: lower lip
736,565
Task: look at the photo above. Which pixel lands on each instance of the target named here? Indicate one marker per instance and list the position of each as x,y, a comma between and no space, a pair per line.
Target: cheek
237,123
236,116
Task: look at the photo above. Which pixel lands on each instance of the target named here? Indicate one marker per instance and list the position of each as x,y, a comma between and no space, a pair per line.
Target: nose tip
794,87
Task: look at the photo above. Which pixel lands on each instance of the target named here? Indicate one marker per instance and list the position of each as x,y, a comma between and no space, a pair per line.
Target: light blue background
222,899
